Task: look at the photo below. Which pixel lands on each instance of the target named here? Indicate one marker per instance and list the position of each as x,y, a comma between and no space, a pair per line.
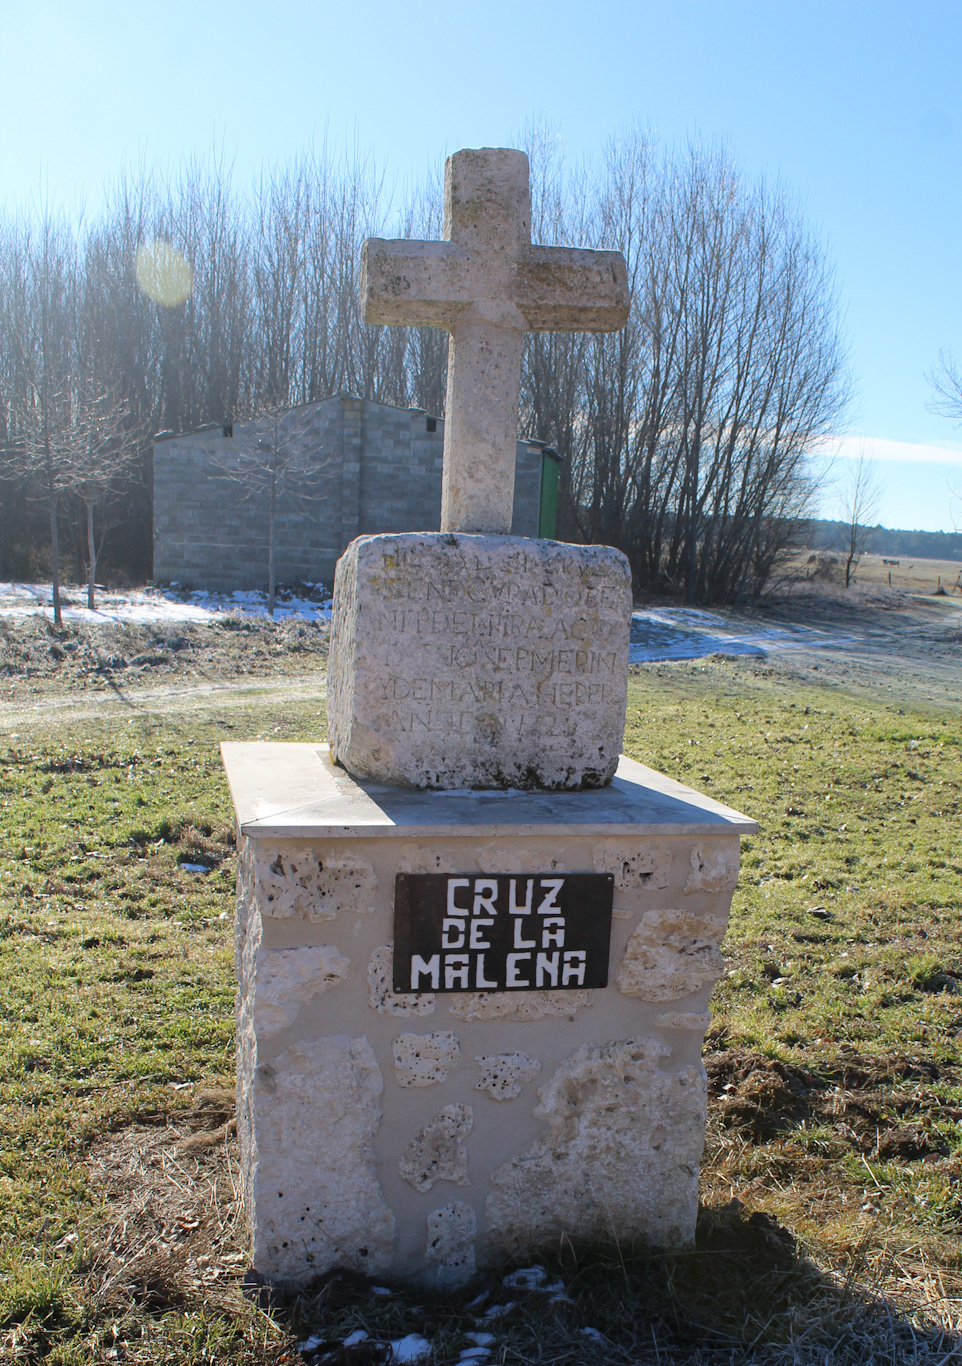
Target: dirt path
898,650
64,706
886,646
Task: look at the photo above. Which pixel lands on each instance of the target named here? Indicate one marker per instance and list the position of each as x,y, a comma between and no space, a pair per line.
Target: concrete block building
352,467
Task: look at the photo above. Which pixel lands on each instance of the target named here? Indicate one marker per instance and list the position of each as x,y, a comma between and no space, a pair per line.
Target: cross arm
416,284
569,289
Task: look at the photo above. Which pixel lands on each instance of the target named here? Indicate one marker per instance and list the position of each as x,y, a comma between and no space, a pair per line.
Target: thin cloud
878,448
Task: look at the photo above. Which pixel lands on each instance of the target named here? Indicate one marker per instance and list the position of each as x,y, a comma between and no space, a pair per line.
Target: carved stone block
479,661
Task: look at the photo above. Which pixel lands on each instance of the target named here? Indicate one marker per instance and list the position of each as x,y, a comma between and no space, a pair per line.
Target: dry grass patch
176,1227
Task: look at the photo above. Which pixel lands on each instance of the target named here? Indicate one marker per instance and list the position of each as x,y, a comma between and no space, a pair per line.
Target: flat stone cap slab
294,791
479,661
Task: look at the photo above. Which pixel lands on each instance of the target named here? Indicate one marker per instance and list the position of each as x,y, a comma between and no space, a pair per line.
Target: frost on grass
410,1348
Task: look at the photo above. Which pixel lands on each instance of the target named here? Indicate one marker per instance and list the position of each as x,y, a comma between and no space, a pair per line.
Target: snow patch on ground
657,633
147,605
410,1348
663,633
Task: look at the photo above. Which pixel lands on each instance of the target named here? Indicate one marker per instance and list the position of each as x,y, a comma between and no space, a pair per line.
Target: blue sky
854,106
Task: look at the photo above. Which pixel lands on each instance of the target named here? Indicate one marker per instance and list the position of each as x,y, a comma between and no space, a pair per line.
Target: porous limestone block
451,1234
671,954
319,1095
422,1136
619,1153
504,1074
437,1152
463,661
425,1059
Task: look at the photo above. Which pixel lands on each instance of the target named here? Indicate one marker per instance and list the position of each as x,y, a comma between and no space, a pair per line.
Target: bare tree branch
861,493
946,380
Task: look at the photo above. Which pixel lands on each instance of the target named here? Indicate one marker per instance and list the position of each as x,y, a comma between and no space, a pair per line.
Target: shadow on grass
743,1295
163,1280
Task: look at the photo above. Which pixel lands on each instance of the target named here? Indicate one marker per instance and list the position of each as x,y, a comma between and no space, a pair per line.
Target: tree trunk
54,554
270,542
91,559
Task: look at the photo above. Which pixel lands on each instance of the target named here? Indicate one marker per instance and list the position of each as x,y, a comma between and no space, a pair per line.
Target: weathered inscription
501,932
500,658
548,671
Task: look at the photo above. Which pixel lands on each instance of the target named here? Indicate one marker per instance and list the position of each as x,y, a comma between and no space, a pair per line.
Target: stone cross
487,285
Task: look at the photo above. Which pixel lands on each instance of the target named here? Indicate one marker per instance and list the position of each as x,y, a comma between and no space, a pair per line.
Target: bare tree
685,437
946,380
74,440
860,496
103,446
687,434
273,464
43,412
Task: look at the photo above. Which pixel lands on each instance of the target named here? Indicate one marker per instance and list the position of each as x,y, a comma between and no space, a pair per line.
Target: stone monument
474,948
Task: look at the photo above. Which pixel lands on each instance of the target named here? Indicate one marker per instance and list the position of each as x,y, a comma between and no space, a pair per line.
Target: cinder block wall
356,468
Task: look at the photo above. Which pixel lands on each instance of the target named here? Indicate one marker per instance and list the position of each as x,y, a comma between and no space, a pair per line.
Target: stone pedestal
422,1135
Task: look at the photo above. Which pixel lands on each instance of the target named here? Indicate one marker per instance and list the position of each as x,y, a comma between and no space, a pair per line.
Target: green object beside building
548,512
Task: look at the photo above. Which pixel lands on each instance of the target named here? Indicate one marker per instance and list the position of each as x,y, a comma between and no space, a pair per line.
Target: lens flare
163,273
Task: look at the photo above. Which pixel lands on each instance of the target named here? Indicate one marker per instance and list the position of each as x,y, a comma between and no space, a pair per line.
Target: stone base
479,661
422,1136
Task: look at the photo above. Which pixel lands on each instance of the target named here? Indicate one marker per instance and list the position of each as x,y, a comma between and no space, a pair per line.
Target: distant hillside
926,545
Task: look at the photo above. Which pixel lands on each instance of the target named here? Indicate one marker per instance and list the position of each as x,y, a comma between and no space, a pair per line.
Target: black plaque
501,931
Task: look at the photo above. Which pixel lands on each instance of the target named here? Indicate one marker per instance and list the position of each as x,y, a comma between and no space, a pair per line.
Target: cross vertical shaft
481,429
487,285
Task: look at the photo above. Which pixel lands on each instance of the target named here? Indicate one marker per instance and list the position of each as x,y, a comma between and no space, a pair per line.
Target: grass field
911,575
833,1178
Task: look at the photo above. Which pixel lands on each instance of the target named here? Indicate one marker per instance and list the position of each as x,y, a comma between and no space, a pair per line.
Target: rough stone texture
504,1074
479,662
619,1156
438,1153
319,1095
698,1020
517,1005
714,867
648,867
452,1230
248,935
381,995
487,285
671,954
618,1130
286,979
415,860
425,1059
299,882
368,467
